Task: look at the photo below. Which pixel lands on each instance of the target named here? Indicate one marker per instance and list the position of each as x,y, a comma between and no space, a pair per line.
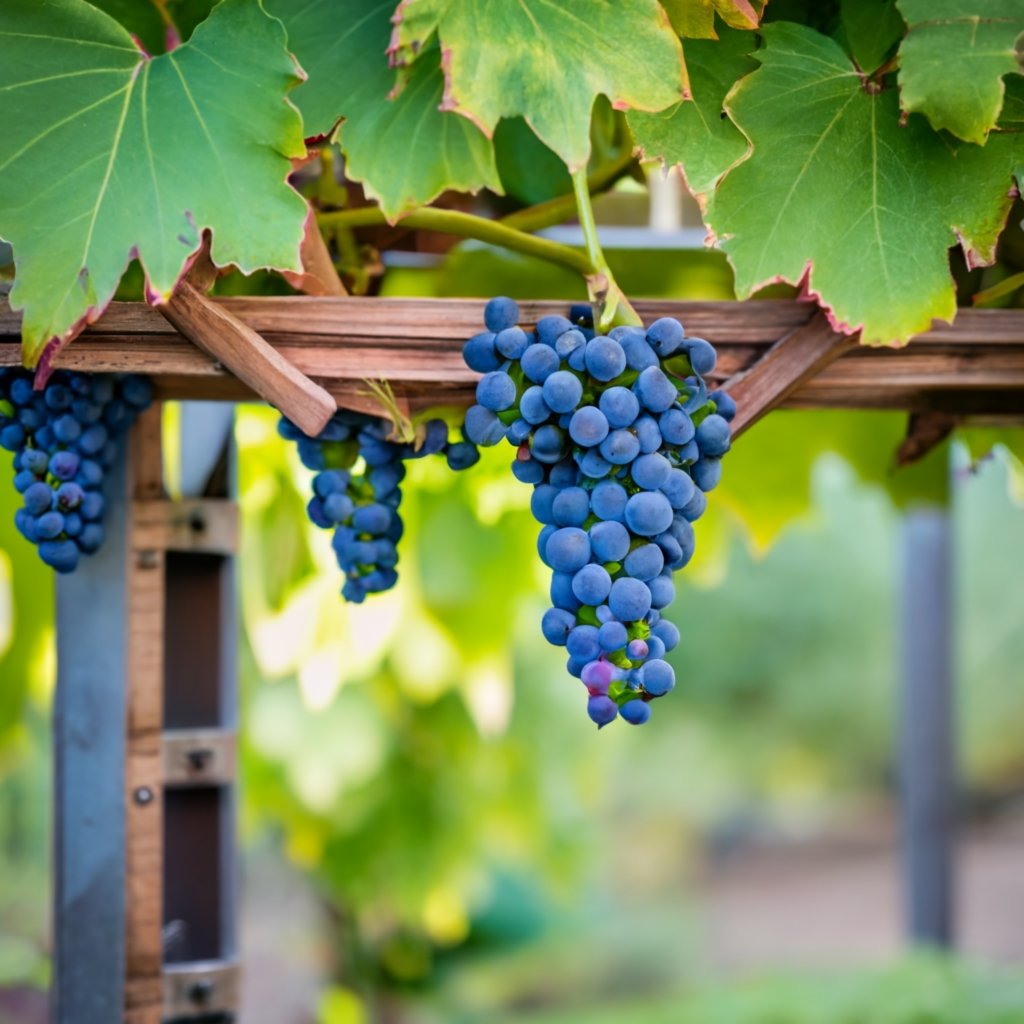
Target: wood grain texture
972,367
793,360
222,335
207,525
144,743
200,757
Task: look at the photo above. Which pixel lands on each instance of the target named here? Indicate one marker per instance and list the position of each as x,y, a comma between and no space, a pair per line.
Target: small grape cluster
64,438
620,439
357,493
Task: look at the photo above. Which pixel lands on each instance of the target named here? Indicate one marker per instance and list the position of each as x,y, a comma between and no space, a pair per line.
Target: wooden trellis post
145,746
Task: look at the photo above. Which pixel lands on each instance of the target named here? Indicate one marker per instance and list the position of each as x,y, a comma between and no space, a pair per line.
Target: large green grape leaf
696,134
953,60
695,19
547,62
405,150
106,156
838,194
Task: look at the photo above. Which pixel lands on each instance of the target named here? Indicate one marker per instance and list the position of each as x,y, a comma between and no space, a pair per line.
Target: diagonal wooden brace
245,353
792,360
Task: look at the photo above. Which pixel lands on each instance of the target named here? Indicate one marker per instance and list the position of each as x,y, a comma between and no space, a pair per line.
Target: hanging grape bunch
357,493
64,438
621,440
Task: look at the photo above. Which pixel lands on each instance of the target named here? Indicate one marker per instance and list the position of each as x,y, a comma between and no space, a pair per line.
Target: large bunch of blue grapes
64,438
621,440
357,492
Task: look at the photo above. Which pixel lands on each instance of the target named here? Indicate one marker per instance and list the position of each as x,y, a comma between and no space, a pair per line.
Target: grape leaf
106,156
696,134
871,28
695,19
406,150
837,193
953,60
547,62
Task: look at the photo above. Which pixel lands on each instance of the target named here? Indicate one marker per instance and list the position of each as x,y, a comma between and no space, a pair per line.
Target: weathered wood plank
196,524
794,359
971,367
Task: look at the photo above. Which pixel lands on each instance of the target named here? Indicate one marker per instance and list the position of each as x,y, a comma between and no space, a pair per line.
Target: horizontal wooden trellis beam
973,367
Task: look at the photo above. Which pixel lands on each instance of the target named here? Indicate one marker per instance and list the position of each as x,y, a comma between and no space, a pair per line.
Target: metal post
89,778
927,743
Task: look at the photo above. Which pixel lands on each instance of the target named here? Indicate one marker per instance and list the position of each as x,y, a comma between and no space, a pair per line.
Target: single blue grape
90,540
612,635
337,507
539,362
38,498
670,549
645,562
58,397
533,407
593,465
648,513
499,313
512,342
542,503
67,429
707,472
90,473
35,461
571,506
462,455
317,514
591,584
724,405
658,677
602,710
563,474
12,437
518,431
620,447
22,392
676,426
651,471
582,643
73,524
648,433
635,711
665,336
663,591
542,542
570,342
91,508
482,427
695,507
373,518
330,481
561,593
620,406
548,444
578,359
678,488
60,555
713,436
69,496
629,599
568,549
668,633
655,391
87,412
562,391
480,353
605,358
23,480
496,391
608,500
526,471
49,525
136,391
701,354
609,541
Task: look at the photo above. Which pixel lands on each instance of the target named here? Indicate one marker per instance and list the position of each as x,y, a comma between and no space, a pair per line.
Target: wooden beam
974,367
793,360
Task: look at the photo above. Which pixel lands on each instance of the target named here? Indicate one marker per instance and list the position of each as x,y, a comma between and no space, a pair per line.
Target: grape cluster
357,493
620,439
64,439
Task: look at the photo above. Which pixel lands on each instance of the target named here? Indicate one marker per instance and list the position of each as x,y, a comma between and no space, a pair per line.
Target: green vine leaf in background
871,28
106,155
696,134
695,19
548,62
953,60
405,150
837,191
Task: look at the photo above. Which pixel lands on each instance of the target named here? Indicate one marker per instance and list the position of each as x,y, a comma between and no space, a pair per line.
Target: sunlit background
433,830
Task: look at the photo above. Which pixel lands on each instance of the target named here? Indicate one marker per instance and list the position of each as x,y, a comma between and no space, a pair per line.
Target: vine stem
612,305
561,208
467,225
